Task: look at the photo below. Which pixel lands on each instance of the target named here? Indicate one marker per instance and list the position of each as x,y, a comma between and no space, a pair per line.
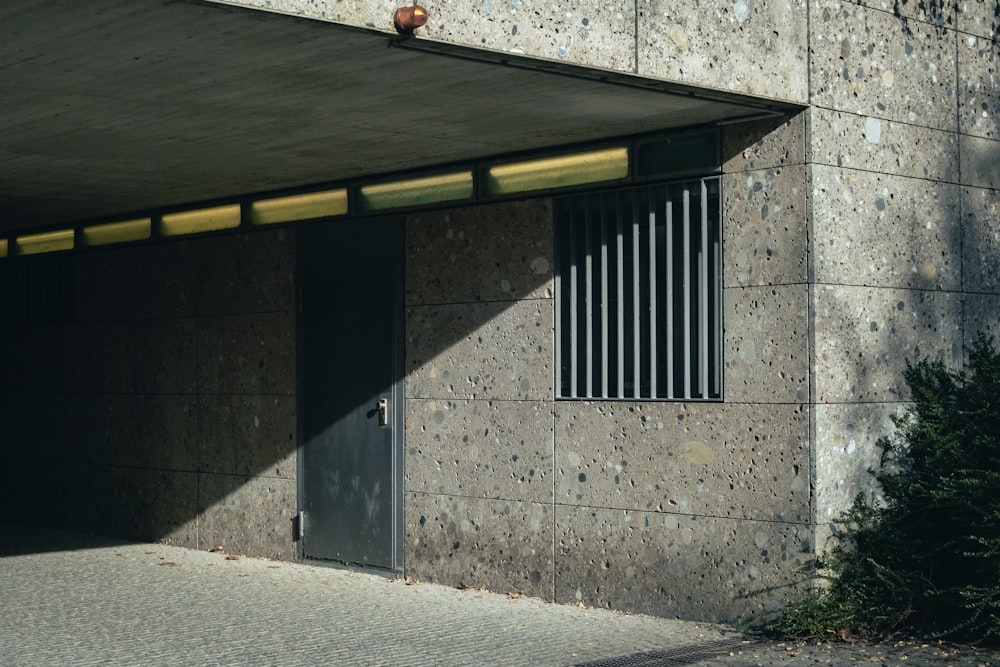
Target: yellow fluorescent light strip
299,207
201,220
34,244
418,191
118,232
3,247
559,172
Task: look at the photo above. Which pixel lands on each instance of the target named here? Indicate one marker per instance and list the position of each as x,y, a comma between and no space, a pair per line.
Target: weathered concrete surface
506,488
175,395
753,47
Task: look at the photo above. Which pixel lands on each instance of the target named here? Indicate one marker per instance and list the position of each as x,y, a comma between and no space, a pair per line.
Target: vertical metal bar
703,287
620,285
686,287
652,293
588,302
636,318
669,283
559,306
717,333
605,315
572,304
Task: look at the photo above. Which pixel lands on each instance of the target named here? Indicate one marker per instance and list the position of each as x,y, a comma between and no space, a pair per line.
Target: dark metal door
350,391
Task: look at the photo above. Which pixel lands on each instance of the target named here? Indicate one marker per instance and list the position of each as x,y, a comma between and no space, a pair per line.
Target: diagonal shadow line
679,655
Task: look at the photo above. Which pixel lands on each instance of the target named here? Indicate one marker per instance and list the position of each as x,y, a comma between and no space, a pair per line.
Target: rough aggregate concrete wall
478,463
588,33
903,146
697,510
743,46
749,47
166,411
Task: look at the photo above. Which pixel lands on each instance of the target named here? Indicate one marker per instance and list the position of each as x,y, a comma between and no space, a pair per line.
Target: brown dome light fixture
407,19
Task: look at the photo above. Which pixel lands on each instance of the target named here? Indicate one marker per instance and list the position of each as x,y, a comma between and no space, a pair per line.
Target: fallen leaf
514,596
232,557
167,562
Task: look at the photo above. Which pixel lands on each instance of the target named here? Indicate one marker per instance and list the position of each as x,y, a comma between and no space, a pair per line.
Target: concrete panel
247,435
247,354
979,86
979,162
764,226
484,253
490,449
765,352
981,240
737,461
982,315
155,357
585,33
845,451
888,231
750,47
489,350
246,273
872,63
588,33
978,17
118,416
74,435
153,505
501,545
937,13
162,433
674,565
76,497
137,283
97,357
764,144
94,429
48,359
866,142
250,516
864,335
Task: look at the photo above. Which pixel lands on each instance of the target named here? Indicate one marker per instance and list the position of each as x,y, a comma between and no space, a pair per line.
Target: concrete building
600,303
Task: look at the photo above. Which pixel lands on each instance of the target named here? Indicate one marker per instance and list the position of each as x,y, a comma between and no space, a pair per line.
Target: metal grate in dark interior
44,291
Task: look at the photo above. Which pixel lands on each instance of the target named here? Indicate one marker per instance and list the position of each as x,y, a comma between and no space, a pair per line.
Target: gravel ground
77,600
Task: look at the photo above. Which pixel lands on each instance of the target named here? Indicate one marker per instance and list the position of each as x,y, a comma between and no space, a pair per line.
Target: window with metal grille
639,293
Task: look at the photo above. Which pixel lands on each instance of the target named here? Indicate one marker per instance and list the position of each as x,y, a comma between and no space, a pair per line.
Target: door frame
372,239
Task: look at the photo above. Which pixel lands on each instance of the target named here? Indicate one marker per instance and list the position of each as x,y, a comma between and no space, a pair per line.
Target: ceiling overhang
113,106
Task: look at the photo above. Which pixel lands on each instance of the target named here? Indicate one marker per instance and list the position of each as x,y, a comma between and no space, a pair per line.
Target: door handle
383,412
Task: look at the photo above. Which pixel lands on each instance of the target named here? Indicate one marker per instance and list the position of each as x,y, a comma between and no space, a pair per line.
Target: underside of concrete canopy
115,106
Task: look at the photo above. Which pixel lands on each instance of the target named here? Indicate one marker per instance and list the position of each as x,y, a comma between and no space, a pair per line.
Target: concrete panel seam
691,515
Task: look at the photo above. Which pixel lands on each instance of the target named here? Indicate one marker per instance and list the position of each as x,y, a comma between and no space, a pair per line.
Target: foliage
925,559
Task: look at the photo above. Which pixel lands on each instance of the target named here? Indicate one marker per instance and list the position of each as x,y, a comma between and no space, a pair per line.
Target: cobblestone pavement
67,599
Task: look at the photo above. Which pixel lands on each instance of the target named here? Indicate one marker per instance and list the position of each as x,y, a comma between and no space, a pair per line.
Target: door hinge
300,525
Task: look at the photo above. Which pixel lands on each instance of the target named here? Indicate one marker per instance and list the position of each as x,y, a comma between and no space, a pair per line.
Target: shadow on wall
165,408
905,268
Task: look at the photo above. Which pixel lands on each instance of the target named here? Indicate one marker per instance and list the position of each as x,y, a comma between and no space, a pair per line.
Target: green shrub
926,558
